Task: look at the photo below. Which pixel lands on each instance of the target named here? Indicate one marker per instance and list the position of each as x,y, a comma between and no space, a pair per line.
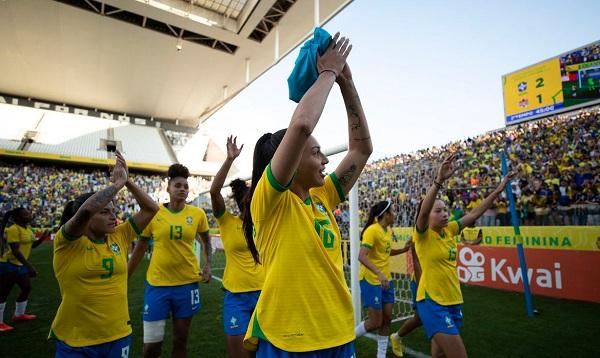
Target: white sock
360,330
382,344
20,307
2,306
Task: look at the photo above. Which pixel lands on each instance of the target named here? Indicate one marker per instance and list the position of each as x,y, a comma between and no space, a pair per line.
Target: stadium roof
123,55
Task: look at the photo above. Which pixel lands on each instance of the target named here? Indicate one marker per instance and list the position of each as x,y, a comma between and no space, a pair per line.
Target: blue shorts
162,301
413,291
374,296
7,267
115,349
439,319
237,310
267,350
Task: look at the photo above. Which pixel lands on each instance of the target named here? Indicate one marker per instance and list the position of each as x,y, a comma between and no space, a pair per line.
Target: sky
428,72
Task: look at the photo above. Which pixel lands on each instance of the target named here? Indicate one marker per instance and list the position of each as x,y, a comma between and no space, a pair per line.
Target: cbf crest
321,207
189,220
115,248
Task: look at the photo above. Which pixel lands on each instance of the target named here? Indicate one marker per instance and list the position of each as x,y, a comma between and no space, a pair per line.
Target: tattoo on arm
94,204
346,177
353,116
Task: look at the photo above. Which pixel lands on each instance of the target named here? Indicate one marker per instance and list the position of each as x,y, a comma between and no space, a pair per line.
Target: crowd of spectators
44,189
559,165
558,160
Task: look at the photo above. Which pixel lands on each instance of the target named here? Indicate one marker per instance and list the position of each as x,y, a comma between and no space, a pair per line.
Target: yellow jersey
173,261
241,274
92,276
305,304
379,241
437,256
23,236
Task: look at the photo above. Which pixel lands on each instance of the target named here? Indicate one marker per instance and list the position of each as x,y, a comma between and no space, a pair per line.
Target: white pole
354,247
317,17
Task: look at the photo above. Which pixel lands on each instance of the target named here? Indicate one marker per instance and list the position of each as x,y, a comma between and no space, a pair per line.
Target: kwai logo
543,277
504,270
472,269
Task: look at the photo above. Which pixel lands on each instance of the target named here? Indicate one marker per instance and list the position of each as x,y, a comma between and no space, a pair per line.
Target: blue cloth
237,310
267,350
116,349
439,319
374,296
160,301
7,267
305,71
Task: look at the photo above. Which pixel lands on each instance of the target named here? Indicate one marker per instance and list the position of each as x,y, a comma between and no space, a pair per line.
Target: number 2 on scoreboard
539,82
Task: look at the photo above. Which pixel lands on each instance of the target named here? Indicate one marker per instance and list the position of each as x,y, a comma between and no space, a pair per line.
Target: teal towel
305,71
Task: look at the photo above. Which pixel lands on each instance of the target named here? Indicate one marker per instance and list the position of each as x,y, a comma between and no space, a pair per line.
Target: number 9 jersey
92,276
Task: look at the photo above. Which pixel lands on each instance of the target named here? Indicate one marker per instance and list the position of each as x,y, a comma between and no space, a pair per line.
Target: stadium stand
45,188
560,174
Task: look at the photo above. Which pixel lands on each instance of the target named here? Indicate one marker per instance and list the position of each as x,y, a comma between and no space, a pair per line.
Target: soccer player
413,269
376,287
439,298
173,275
304,308
90,264
14,264
243,278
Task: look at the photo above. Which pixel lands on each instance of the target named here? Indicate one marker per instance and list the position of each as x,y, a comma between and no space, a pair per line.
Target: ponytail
264,150
72,207
376,211
239,188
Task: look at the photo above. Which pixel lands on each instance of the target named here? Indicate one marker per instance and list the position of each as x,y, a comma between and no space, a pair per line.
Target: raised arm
218,204
307,113
360,146
148,207
477,211
95,203
446,170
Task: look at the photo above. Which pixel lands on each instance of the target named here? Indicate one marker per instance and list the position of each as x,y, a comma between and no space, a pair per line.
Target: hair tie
389,203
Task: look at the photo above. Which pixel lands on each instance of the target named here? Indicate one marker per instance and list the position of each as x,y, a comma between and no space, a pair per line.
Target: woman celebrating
14,264
90,264
289,215
376,287
173,275
439,298
243,278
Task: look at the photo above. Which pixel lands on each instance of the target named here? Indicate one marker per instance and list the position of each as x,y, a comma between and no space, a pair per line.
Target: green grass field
495,324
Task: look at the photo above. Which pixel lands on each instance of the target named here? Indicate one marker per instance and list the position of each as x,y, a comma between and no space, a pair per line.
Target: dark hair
5,219
263,153
178,170
376,211
239,188
72,207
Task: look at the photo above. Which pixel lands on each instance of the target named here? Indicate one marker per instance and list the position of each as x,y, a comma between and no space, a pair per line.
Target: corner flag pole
515,222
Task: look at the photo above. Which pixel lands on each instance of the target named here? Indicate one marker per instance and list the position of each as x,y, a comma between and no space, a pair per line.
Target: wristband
437,184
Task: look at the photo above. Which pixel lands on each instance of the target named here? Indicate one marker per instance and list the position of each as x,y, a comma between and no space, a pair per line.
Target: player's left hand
206,274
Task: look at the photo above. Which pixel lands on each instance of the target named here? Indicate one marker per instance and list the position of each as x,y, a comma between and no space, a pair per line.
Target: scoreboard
565,82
